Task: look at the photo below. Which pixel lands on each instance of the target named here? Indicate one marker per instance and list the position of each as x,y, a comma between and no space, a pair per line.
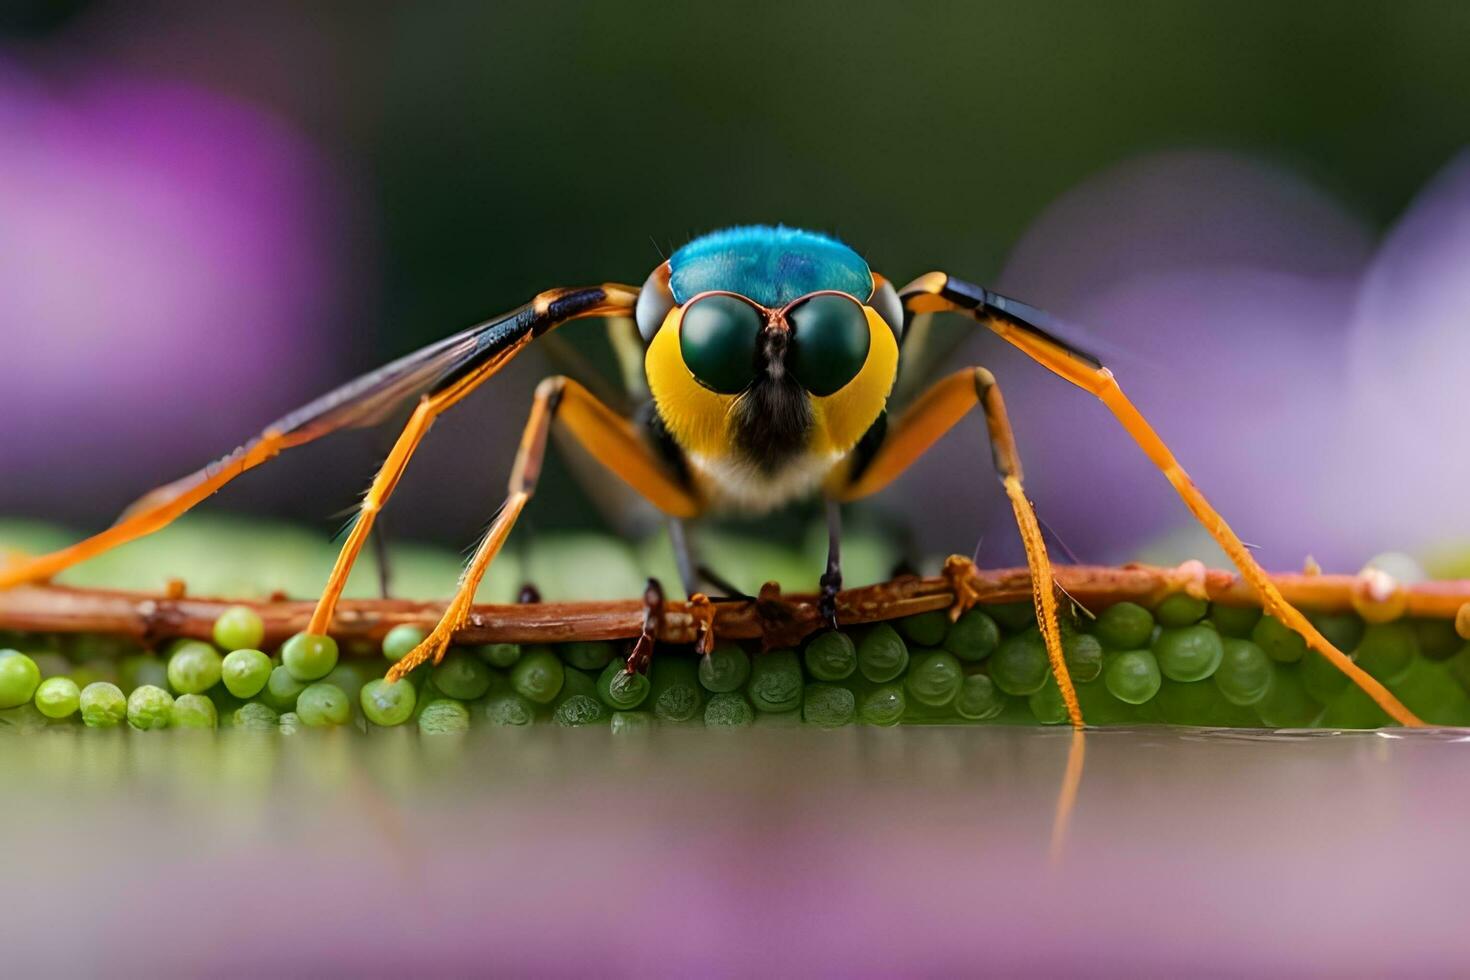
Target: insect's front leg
934,413
610,439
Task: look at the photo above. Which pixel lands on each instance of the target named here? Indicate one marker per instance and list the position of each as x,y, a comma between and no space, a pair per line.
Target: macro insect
770,354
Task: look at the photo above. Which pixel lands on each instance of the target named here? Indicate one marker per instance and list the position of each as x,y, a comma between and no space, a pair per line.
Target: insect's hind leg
153,512
1032,331
611,439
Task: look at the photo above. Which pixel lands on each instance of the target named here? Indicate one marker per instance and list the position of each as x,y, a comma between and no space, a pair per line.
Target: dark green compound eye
717,339
829,342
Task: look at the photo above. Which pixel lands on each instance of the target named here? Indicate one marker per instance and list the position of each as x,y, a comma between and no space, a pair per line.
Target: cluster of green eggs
1184,662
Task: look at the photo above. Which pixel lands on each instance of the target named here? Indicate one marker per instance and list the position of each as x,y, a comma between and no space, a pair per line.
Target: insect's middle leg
610,439
931,416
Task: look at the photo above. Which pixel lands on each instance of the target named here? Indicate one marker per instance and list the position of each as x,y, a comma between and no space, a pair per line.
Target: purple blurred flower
162,249
1228,289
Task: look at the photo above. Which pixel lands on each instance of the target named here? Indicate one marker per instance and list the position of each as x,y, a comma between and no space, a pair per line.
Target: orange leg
156,510
610,439
1012,321
448,370
934,413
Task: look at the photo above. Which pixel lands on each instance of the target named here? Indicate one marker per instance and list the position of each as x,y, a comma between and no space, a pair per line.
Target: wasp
770,355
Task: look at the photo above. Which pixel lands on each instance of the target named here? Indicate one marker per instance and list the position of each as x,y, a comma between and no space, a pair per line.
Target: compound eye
717,338
829,342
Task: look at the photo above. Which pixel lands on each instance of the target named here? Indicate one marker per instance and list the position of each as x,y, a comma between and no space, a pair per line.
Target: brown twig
778,619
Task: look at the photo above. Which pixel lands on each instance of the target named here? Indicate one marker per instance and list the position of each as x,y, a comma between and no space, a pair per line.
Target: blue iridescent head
772,266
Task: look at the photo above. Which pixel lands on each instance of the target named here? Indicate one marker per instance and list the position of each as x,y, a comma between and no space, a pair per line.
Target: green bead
934,678
245,672
1013,616
194,711
1388,650
349,677
447,716
717,340
386,702
401,640
972,637
239,628
1281,643
309,657
925,629
830,337
1133,676
502,655
323,705
461,675
1236,621
728,709
831,656
58,697
1083,654
193,667
1287,704
1342,630
1047,705
1437,638
1019,665
883,705
1180,609
19,678
1124,626
625,722
1244,674
828,705
725,668
538,675
674,693
281,690
621,690
979,699
508,710
103,705
1322,681
776,681
255,716
1188,653
1188,702
150,708
882,654
579,710
586,655
576,681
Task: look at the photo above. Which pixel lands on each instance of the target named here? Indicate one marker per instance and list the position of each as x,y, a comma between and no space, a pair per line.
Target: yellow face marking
698,418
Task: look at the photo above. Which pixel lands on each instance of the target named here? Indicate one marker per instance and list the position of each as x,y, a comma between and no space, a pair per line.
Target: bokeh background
210,213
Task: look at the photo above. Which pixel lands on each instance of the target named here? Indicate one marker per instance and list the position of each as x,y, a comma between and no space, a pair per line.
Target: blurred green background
485,151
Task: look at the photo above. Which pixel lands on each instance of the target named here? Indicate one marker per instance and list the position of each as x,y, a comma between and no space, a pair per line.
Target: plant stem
782,620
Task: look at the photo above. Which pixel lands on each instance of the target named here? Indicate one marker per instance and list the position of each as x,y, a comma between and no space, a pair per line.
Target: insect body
770,355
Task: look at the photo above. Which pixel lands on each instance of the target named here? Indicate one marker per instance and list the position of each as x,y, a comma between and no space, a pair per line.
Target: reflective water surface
770,851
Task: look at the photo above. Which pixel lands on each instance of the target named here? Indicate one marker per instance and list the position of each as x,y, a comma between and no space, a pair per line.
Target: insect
770,354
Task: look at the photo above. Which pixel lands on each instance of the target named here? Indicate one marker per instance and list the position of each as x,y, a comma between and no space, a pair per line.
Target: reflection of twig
150,618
